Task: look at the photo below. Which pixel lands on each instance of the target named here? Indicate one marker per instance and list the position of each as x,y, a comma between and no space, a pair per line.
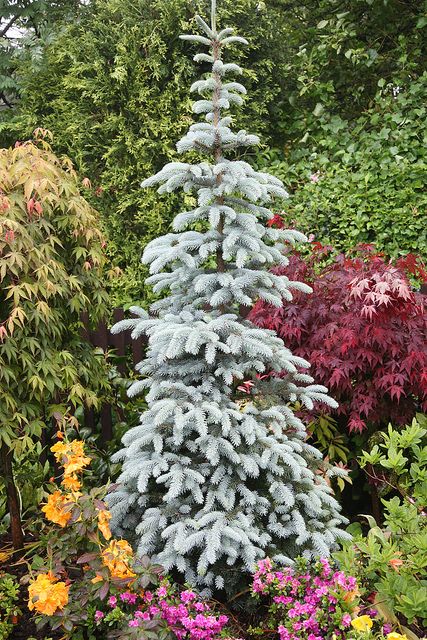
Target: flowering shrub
363,331
183,613
91,582
391,561
307,602
313,602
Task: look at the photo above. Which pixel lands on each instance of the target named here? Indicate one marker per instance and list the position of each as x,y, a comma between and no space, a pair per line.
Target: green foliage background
364,133
336,87
113,89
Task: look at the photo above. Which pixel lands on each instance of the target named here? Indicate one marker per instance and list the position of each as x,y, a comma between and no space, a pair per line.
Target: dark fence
123,345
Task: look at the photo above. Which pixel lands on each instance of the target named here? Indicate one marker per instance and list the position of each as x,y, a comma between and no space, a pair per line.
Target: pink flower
98,615
188,596
346,620
128,597
112,601
154,610
283,599
258,586
315,177
133,623
283,633
324,561
162,592
264,565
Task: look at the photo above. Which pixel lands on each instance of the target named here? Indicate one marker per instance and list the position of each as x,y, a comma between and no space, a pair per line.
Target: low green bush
391,560
9,609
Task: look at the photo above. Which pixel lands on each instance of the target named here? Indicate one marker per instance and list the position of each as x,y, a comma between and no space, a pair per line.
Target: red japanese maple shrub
364,330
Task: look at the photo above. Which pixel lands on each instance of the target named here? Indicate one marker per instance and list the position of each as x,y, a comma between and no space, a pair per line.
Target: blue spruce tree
209,485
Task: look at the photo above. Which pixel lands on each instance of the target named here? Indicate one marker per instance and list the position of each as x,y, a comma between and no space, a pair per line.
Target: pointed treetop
213,16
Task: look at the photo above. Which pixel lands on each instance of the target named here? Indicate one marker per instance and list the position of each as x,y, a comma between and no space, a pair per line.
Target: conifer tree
209,482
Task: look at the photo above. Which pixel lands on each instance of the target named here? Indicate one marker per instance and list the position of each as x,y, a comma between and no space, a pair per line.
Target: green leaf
318,109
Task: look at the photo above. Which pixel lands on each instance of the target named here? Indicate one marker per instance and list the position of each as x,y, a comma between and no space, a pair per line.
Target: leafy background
335,87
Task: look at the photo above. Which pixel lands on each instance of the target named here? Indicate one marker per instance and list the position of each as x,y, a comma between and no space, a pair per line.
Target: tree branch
5,100
9,24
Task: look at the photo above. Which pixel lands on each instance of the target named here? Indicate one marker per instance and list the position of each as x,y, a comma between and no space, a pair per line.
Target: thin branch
8,25
5,100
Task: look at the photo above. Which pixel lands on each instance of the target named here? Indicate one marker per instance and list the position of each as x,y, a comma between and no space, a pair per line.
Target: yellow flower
96,579
59,449
117,557
396,636
103,524
4,556
71,482
54,509
47,595
362,623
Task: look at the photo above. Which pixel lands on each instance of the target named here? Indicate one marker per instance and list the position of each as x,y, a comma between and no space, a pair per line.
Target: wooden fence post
101,337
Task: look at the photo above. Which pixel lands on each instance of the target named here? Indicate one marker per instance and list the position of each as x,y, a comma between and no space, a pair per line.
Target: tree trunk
12,498
376,504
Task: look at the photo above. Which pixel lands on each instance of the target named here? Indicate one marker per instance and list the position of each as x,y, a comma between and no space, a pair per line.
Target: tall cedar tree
208,482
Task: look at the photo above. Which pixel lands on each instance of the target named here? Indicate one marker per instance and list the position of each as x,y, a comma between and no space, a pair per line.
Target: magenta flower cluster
307,601
184,613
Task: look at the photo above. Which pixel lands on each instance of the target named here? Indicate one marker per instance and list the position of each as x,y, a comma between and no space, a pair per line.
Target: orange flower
71,456
103,524
71,482
47,595
117,557
349,596
96,579
395,563
54,509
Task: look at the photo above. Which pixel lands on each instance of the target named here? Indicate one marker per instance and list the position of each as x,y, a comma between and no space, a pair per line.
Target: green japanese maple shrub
51,270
